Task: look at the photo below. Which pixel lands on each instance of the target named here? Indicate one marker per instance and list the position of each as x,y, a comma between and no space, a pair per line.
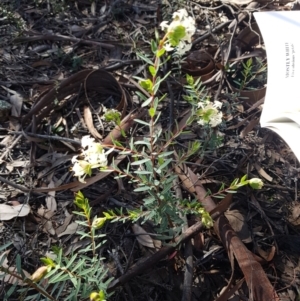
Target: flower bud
256,183
99,222
39,273
94,296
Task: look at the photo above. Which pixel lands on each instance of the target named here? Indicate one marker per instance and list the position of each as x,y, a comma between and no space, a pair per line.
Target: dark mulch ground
43,44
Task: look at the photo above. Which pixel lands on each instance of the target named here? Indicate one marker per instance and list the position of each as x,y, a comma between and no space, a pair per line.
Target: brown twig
188,274
60,37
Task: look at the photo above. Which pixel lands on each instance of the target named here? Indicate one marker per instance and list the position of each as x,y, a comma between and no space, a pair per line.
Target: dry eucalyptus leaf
16,99
262,172
93,8
46,216
142,237
8,212
71,229
238,223
18,163
18,241
50,199
64,226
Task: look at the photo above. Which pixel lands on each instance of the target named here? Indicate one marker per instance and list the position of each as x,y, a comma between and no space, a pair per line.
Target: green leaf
152,71
166,163
125,152
146,84
243,179
151,112
142,188
74,281
141,95
57,277
159,81
144,58
160,52
3,247
139,162
142,172
153,46
147,102
73,258
142,142
190,80
176,35
165,154
234,182
141,122
77,266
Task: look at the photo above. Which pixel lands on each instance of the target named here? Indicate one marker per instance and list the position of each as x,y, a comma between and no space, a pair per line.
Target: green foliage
177,34
69,277
252,75
113,115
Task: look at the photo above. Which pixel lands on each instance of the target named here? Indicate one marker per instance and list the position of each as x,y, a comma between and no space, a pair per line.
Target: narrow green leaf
166,163
141,95
73,258
139,162
144,58
143,188
74,280
153,46
125,153
147,102
77,266
142,172
244,178
165,154
157,117
141,122
3,247
142,142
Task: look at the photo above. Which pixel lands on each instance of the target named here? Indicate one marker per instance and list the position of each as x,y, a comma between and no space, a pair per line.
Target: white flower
164,25
183,47
180,18
209,113
93,156
87,141
80,169
168,47
218,104
180,14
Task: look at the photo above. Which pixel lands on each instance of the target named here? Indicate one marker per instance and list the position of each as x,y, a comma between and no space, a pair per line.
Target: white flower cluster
209,113
93,156
180,18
